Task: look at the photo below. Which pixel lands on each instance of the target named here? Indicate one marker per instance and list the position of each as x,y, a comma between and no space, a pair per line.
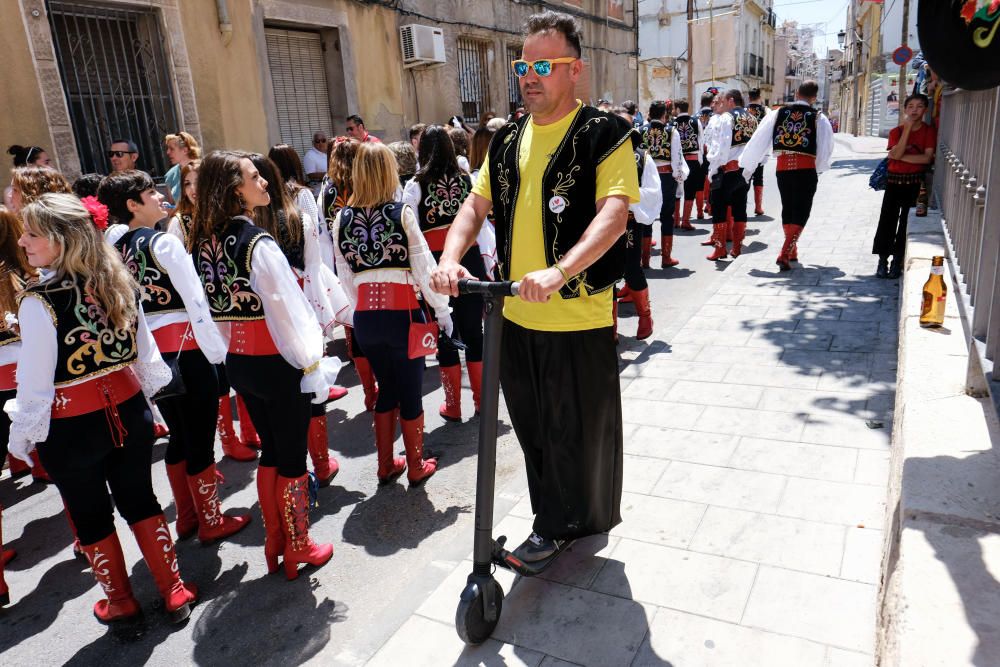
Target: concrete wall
23,119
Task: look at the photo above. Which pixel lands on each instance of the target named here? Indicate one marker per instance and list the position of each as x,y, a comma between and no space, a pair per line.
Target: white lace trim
29,419
152,376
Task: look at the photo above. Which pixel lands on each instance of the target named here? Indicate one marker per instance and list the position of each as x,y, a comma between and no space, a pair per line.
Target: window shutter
298,76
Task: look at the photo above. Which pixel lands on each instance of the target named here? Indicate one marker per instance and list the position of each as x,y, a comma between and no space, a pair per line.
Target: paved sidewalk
756,461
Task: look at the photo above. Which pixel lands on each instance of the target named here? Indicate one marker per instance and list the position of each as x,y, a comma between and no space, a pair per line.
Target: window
513,89
473,79
298,77
117,81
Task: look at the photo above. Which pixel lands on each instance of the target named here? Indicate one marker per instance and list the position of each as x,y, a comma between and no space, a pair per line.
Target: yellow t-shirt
615,176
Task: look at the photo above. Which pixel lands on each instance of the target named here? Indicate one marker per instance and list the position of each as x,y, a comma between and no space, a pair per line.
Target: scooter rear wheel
470,621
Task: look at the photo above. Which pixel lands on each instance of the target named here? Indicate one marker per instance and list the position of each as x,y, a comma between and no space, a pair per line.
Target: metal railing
967,187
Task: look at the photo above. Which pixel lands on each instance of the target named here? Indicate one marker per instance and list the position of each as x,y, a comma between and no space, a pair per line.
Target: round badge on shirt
557,204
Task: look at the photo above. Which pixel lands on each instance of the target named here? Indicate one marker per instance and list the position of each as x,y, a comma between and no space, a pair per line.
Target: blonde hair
375,177
84,255
185,140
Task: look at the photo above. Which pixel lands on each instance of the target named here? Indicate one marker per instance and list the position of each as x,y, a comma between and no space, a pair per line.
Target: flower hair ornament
98,212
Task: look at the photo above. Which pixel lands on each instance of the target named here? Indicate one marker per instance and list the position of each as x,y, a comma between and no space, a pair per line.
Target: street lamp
841,38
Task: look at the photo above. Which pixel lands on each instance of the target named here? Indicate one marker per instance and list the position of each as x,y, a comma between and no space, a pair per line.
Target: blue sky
830,13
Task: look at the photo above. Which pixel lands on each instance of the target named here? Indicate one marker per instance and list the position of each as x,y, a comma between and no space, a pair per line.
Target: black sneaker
895,270
537,548
883,268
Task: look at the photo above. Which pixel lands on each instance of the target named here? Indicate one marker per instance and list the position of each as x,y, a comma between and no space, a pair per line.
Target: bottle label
937,270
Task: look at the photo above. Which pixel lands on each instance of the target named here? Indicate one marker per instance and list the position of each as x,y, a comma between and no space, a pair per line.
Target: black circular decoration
960,39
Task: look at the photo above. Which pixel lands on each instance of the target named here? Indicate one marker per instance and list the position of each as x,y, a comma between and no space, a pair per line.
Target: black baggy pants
890,236
729,190
635,277
797,188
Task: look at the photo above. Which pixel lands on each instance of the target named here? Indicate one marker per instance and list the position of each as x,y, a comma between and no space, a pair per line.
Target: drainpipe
225,26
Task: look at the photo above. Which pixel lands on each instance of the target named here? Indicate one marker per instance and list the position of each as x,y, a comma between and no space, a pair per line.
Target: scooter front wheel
470,618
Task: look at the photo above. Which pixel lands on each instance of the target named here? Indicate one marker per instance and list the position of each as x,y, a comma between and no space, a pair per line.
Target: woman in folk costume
87,359
436,193
237,448
275,358
16,272
296,234
175,308
383,261
333,195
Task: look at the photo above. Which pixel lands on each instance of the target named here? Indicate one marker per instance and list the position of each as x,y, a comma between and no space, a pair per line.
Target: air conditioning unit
422,45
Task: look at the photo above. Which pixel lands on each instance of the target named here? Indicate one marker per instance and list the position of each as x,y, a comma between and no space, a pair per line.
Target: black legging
5,423
668,186
83,462
758,176
385,337
890,237
635,278
192,416
280,412
466,314
695,182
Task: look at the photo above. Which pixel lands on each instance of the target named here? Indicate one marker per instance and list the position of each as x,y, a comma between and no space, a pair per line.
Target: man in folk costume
690,134
803,139
563,239
705,115
758,111
733,130
660,139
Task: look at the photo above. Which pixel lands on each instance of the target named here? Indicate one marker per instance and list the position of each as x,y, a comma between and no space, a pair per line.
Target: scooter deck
507,560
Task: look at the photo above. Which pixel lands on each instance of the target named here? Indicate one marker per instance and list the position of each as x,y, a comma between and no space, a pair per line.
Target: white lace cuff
29,419
320,380
153,376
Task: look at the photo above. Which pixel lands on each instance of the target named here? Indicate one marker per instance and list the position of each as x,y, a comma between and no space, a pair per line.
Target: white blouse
320,284
421,260
31,410
650,195
326,241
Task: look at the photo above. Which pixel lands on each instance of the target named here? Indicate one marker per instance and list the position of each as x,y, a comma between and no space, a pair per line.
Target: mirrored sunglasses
541,67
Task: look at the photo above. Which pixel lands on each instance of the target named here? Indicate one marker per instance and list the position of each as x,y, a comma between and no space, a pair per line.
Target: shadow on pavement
41,539
396,518
854,167
32,614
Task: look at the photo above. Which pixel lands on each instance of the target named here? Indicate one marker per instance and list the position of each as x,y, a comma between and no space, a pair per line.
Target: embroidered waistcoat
656,137
223,264
294,252
795,130
158,293
687,129
333,201
374,238
571,175
756,110
7,335
440,201
744,125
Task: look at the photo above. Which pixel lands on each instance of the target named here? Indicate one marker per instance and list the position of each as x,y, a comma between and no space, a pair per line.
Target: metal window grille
473,79
298,76
513,89
117,81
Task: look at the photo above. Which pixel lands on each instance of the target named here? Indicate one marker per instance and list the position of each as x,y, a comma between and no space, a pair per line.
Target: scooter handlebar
502,288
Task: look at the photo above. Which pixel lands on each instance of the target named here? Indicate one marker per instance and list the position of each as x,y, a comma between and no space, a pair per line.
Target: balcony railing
753,65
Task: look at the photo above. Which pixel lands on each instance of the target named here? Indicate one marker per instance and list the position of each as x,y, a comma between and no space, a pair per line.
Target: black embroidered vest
158,293
440,201
294,252
656,137
333,201
757,111
223,264
795,129
185,222
7,335
687,129
640,161
569,185
744,125
373,238
88,346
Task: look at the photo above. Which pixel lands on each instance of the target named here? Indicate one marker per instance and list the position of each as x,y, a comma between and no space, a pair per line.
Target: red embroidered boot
699,199
389,467
293,501
647,250
187,521
413,440
791,236
367,378
625,295
17,467
153,537
108,564
645,314
231,445
739,233
248,433
677,215
718,242
451,382
325,467
793,252
336,393
274,536
5,557
38,473
686,222
706,194
212,523
758,198
665,258
475,371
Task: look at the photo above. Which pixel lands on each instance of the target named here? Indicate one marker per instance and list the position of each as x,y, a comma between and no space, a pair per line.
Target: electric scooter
481,601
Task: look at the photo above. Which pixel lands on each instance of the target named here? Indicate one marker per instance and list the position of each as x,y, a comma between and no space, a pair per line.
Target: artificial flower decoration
98,212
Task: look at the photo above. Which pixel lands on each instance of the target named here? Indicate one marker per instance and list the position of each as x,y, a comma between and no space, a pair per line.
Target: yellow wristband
562,271
310,368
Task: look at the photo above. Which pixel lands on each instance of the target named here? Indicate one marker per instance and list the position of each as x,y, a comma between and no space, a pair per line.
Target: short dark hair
132,148
754,94
86,185
657,109
917,96
629,106
706,99
416,130
682,106
735,95
564,24
356,119
116,190
808,89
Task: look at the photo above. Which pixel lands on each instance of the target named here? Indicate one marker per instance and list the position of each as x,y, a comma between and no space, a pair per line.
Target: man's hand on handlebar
537,286
444,279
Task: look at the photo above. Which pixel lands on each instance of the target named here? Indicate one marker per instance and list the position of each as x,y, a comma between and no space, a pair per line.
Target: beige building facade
251,73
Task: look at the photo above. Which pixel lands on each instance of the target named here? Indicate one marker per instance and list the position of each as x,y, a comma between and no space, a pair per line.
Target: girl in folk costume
275,358
487,239
237,448
15,273
297,237
383,260
333,195
175,308
87,357
436,193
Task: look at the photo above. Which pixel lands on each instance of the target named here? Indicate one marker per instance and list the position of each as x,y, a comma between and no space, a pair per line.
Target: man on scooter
559,182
